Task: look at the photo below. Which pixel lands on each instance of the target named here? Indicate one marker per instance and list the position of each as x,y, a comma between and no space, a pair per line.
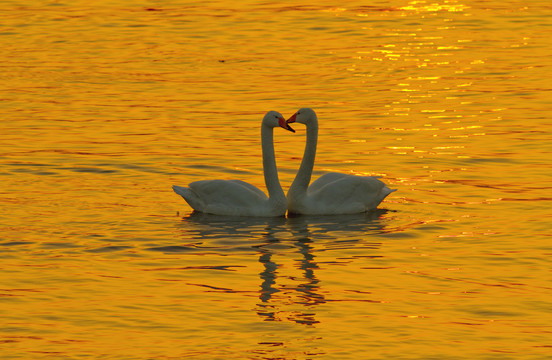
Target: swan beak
292,118
282,122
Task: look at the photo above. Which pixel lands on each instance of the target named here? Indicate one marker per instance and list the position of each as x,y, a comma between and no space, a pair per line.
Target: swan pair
331,194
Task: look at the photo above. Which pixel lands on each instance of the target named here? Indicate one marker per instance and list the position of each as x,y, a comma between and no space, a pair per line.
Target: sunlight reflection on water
108,105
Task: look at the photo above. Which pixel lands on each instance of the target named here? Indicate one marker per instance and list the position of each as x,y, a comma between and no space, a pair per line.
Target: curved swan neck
303,177
269,163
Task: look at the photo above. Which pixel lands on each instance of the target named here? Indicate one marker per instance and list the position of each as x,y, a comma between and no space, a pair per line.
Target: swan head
274,119
303,116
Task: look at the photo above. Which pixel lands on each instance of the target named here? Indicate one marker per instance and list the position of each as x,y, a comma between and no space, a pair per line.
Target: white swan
332,193
236,197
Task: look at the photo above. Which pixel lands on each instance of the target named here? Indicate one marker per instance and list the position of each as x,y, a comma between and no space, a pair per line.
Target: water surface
105,106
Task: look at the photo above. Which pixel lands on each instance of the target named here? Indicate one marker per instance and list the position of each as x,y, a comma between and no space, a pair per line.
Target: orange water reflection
106,106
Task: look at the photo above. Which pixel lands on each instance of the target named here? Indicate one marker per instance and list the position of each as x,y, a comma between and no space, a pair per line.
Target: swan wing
224,197
347,194
228,192
325,180
252,188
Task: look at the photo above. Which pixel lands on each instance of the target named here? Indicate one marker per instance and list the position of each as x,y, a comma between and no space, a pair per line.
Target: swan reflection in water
270,237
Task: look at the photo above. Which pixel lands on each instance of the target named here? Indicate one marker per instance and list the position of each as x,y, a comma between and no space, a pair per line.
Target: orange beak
282,122
292,118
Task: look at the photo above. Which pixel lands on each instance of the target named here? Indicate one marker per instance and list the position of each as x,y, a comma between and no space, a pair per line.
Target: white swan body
332,193
236,197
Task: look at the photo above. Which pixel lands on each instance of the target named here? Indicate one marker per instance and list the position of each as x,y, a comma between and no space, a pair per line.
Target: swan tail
384,192
190,196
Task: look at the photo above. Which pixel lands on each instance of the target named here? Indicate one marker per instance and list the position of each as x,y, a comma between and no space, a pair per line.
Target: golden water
105,105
